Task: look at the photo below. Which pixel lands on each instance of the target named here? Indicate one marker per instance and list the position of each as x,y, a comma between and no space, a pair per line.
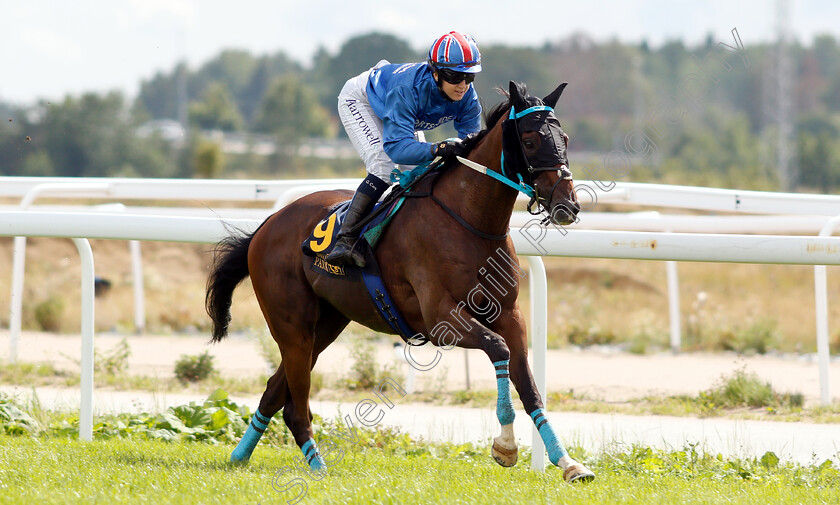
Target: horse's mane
492,116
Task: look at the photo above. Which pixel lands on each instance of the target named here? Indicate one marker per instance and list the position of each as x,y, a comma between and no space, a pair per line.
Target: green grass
181,456
62,470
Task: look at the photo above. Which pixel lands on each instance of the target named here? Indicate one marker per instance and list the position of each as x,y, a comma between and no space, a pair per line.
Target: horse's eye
529,144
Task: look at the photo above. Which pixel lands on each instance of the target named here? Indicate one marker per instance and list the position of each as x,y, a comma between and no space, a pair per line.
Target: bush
114,361
366,372
364,366
194,368
48,314
593,335
745,389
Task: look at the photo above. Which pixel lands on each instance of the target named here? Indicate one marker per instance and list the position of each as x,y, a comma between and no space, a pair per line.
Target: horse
433,262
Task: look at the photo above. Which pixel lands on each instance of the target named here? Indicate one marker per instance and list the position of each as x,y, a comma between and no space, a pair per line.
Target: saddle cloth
322,240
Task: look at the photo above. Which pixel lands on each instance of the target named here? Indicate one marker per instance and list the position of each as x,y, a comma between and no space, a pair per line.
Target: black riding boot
363,202
343,251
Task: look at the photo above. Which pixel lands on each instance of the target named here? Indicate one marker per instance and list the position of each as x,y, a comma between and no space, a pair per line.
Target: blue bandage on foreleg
258,425
504,403
553,446
313,456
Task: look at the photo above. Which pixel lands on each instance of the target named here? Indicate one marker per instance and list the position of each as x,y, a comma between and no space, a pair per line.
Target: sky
51,48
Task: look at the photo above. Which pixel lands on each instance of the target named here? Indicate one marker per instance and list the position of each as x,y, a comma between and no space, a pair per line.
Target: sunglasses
453,77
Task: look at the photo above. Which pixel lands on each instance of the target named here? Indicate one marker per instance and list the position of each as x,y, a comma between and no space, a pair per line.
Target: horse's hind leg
277,395
329,325
296,413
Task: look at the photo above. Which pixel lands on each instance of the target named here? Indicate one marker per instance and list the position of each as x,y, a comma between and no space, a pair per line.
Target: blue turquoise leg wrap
252,435
552,444
504,403
313,456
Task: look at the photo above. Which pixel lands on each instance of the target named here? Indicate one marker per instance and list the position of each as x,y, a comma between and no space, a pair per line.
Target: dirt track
597,374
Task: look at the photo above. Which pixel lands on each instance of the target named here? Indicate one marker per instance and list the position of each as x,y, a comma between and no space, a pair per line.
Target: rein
463,222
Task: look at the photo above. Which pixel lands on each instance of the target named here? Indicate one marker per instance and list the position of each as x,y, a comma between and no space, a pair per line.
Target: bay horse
432,262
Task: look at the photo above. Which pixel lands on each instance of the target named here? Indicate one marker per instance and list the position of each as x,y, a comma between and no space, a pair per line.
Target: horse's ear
551,99
517,97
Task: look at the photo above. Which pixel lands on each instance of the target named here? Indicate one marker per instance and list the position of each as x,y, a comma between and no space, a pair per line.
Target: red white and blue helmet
457,52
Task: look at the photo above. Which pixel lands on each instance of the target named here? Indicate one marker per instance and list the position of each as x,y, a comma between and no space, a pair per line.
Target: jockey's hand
449,148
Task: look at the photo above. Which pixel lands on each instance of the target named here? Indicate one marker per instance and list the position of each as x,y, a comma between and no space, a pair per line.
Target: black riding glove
449,148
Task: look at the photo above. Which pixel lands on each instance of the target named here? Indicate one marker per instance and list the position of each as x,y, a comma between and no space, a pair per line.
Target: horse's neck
482,201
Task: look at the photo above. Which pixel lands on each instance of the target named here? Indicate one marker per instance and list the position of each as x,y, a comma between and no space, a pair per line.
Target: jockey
382,108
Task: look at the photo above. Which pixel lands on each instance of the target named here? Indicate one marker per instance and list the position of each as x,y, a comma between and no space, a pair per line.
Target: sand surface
596,373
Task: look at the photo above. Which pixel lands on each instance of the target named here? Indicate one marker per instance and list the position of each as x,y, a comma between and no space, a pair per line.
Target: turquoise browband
517,115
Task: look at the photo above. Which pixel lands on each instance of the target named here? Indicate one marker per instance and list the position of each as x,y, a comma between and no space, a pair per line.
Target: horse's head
534,147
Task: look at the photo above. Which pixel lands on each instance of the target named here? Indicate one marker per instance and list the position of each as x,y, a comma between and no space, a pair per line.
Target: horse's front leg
468,332
520,373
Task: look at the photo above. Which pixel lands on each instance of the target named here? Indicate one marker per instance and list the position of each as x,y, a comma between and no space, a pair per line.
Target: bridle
515,164
538,114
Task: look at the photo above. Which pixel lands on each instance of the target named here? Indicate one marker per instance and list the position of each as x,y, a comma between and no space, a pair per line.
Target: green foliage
356,55
759,336
366,372
33,374
194,368
589,135
745,389
13,420
723,138
215,420
130,470
209,160
817,152
290,110
364,368
48,314
92,136
114,361
591,335
216,111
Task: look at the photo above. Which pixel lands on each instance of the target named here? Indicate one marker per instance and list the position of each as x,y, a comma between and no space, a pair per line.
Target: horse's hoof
503,456
578,473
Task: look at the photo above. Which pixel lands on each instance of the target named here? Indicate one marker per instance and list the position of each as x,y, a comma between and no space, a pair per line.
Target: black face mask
552,151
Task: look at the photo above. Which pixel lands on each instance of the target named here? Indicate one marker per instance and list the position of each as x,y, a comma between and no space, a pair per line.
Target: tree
92,135
819,163
819,158
291,111
163,95
209,159
501,64
354,57
231,67
217,110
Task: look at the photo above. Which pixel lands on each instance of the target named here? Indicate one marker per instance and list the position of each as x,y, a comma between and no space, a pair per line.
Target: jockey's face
455,92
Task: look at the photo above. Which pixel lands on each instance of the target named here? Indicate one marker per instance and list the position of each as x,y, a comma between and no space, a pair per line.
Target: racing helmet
456,52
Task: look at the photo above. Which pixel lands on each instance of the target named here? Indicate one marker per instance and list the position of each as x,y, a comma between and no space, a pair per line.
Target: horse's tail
230,267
